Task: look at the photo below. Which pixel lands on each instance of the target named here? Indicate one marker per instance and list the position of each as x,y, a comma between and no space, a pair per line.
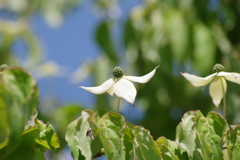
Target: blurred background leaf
19,134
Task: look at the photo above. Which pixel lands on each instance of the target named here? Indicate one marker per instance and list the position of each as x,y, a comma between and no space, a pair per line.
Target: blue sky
69,45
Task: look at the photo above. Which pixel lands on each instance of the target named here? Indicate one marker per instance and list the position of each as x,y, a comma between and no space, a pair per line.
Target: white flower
121,85
218,86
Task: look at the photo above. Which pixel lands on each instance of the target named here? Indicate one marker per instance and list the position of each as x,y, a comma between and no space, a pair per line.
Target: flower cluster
123,87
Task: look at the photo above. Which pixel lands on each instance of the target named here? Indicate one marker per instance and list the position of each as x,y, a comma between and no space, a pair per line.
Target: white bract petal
217,90
230,76
125,89
121,86
111,91
100,89
142,79
199,81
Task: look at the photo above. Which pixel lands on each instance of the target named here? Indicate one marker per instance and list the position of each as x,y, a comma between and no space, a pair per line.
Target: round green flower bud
117,72
218,68
3,67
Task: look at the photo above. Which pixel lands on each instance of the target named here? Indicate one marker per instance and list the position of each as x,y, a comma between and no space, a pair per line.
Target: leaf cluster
197,138
22,135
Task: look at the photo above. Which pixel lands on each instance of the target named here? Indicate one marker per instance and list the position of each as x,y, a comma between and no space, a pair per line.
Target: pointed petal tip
216,89
100,89
132,102
231,76
142,79
216,104
81,87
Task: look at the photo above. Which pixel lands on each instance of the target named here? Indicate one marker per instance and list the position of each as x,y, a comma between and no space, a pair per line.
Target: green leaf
179,38
71,139
204,46
19,96
47,136
82,139
126,143
26,145
20,84
147,145
3,114
130,125
109,129
202,138
167,148
204,149
232,142
78,138
96,145
197,138
69,112
37,155
103,37
135,152
185,135
16,128
217,127
209,132
34,47
129,33
236,149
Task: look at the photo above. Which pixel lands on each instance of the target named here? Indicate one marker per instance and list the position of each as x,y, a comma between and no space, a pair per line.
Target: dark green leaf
126,143
232,141
103,37
26,145
204,46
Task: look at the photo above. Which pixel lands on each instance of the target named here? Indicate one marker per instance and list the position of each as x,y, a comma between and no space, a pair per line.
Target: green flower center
218,68
3,67
117,72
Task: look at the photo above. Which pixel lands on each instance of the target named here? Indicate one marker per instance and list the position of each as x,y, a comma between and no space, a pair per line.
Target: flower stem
224,108
118,104
224,102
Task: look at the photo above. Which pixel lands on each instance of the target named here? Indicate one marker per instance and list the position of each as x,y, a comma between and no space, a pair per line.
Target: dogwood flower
218,86
121,85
